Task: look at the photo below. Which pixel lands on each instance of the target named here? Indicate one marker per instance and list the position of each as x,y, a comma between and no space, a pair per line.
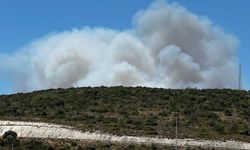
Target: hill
204,114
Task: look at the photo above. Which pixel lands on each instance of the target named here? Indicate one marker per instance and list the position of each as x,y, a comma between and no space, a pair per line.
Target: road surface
45,130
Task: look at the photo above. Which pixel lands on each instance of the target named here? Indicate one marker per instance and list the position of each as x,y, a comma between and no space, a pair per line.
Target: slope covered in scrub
204,114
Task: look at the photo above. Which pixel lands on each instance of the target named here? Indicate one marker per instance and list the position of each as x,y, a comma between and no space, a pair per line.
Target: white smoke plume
168,46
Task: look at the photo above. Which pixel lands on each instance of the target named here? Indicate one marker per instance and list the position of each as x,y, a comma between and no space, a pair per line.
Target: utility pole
240,78
176,132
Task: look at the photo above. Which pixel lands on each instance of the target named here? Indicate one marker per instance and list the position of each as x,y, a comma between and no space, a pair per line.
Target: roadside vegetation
202,114
64,144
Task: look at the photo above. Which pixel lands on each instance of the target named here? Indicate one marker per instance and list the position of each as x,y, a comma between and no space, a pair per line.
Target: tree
10,138
10,133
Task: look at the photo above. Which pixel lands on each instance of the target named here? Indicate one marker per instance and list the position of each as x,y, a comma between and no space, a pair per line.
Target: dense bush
89,147
9,138
11,141
10,134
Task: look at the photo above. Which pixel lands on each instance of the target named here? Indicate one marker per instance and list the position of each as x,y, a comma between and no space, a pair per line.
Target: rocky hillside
205,114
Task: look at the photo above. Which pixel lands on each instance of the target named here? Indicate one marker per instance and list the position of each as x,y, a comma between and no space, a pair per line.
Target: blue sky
23,21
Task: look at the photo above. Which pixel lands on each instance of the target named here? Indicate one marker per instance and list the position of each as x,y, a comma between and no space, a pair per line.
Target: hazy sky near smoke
22,23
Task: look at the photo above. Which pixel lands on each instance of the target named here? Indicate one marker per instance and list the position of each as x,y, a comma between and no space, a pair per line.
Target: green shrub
153,147
244,129
10,134
131,147
228,112
89,147
10,140
219,127
1,142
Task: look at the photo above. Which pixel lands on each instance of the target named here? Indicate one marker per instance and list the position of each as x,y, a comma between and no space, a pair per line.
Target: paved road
45,130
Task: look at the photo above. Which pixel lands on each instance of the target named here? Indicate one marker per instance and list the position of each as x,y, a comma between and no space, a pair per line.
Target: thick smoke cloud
167,46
